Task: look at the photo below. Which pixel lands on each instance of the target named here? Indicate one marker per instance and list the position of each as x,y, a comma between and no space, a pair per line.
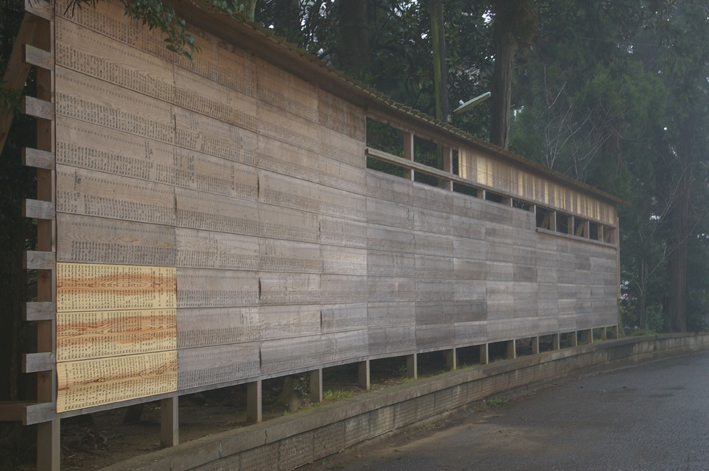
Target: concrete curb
294,440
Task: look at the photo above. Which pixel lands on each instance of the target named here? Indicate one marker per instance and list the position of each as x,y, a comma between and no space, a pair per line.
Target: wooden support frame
254,404
484,354
535,345
412,366
447,167
170,422
316,387
451,359
409,154
364,375
555,341
511,349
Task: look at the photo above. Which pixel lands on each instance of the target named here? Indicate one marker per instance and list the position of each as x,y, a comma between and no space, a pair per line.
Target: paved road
649,417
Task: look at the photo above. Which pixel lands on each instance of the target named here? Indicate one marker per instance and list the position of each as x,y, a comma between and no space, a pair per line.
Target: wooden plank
341,148
286,159
214,365
37,158
234,68
285,256
290,129
469,249
281,322
38,108
433,244
390,239
84,287
390,264
35,362
436,222
343,261
36,209
13,411
434,290
285,91
435,336
197,210
431,267
213,137
201,327
471,333
470,269
204,249
98,240
343,317
282,356
434,313
88,383
90,193
89,99
388,314
40,8
342,204
392,340
388,214
431,198
393,289
342,232
39,260
290,224
86,335
202,288
289,288
206,97
40,311
345,346
38,57
341,116
289,192
343,176
388,187
343,289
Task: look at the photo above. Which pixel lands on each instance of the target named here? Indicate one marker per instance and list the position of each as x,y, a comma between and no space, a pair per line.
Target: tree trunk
440,72
353,44
501,88
677,267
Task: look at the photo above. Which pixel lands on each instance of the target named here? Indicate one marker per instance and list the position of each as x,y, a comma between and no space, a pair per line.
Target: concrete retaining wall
291,441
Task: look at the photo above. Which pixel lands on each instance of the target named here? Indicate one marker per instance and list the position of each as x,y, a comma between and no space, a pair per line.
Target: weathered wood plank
38,57
202,288
382,315
216,365
343,261
36,209
288,192
289,288
203,327
205,249
281,322
343,289
37,108
342,232
35,362
286,159
40,311
343,317
198,210
37,158
39,260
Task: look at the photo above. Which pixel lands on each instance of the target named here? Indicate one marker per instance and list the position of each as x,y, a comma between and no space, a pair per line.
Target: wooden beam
170,422
39,260
38,57
363,375
49,446
40,311
316,390
34,362
408,154
38,108
36,209
254,409
412,366
38,158
40,8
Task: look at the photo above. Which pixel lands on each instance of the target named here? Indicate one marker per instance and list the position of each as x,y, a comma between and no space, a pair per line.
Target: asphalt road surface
649,417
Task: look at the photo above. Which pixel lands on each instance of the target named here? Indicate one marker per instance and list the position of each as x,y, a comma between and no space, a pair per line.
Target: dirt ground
101,439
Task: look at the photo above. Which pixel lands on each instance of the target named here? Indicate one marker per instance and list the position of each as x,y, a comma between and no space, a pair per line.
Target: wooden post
254,410
535,345
614,332
411,366
408,153
552,221
507,200
532,208
555,342
451,359
480,193
364,375
447,167
316,389
512,349
574,338
570,225
604,333
484,354
170,422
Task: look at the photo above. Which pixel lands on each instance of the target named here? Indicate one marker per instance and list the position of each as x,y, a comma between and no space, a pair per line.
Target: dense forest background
613,93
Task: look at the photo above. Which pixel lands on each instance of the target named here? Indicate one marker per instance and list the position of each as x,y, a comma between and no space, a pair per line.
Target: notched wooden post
363,375
316,389
254,409
170,422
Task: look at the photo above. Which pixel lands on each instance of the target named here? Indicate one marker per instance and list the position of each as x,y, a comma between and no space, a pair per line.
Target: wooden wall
216,224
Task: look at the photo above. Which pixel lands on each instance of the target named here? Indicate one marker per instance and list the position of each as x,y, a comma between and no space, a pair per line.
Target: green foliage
496,402
337,394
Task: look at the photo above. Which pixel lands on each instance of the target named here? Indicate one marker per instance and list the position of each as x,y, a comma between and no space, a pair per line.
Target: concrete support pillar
535,345
316,393
170,422
484,354
254,409
451,359
614,332
574,338
363,373
48,446
412,366
604,333
512,349
555,342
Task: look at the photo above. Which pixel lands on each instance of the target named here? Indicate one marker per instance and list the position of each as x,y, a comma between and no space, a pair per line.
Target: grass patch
339,394
496,402
642,332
